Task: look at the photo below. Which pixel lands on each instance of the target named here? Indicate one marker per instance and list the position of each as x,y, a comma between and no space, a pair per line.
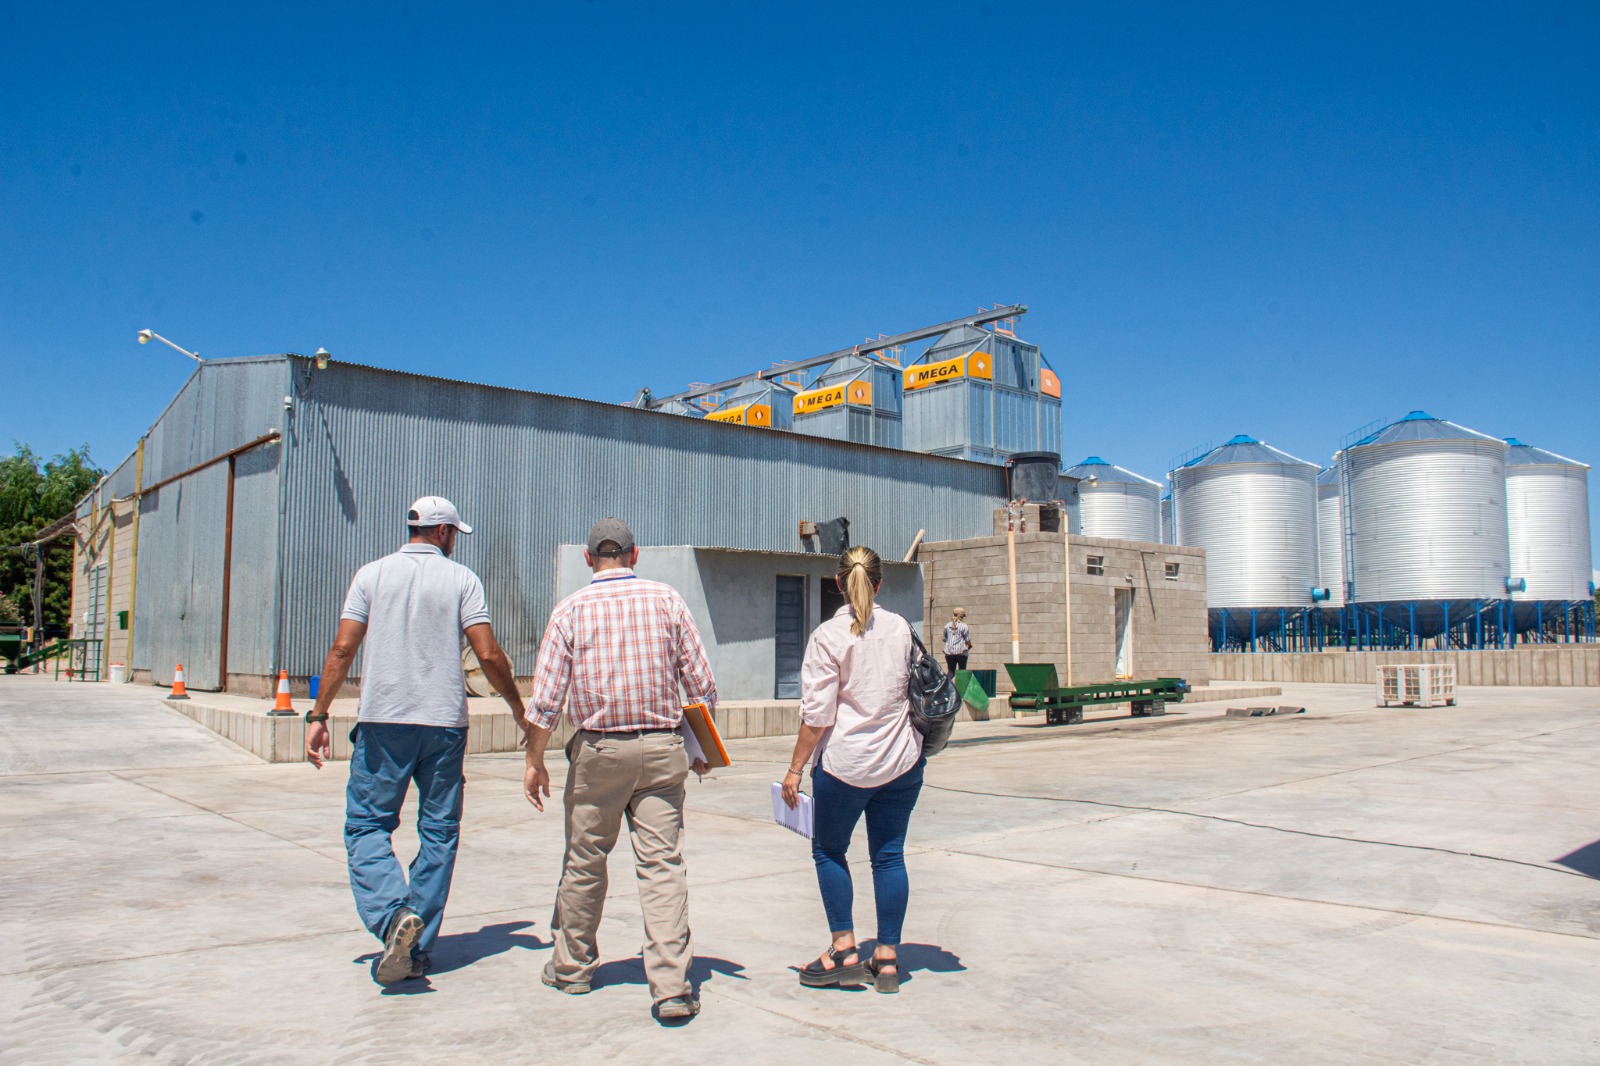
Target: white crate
1417,685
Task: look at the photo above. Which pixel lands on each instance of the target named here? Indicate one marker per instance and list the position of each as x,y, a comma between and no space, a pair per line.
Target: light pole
146,335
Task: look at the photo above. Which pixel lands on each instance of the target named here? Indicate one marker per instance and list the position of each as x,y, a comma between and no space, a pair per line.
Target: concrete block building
1137,610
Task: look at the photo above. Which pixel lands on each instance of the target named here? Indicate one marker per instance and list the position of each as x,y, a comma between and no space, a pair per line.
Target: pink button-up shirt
857,686
615,653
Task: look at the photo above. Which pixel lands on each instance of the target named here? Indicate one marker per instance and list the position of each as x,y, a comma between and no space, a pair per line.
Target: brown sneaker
678,1007
571,988
405,928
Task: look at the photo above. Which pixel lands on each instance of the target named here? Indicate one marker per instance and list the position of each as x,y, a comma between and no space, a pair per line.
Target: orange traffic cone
281,705
179,692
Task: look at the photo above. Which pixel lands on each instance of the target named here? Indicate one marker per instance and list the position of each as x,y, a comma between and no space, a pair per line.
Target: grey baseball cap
612,529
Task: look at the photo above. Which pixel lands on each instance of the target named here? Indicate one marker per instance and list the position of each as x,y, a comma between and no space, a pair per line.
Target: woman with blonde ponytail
866,759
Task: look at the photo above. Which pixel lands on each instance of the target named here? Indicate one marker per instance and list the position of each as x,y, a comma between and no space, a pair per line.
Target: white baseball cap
435,511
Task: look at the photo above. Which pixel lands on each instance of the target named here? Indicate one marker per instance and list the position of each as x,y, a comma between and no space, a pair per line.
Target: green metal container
971,691
1032,679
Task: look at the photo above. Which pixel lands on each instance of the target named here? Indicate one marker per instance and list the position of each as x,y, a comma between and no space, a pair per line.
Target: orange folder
697,716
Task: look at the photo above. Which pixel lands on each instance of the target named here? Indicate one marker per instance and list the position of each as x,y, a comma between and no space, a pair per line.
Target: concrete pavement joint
833,1031
1133,809
1263,895
230,818
1402,762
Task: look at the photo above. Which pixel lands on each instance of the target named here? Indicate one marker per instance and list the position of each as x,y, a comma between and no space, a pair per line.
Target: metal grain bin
1253,509
1330,536
1426,503
1547,511
855,399
1116,503
1166,517
760,403
981,395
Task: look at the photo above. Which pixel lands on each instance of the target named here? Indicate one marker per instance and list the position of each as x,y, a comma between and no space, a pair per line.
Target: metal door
789,637
1124,630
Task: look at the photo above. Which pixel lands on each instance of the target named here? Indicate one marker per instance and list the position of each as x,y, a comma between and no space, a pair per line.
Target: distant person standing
615,654
957,641
412,726
866,762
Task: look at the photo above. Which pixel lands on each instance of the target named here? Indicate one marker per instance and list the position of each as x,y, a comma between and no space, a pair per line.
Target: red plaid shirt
615,653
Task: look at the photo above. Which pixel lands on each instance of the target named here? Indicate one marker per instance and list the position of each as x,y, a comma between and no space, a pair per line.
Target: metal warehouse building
227,540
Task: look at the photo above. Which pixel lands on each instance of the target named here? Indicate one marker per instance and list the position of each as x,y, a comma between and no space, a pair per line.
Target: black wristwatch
316,716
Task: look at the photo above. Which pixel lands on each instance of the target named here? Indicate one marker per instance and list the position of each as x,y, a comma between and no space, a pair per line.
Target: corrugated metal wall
225,404
531,472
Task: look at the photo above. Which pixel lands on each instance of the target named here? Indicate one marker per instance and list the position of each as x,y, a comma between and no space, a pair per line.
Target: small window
1172,571
1096,564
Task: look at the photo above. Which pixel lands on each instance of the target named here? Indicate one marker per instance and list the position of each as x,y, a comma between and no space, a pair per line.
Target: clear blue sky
1226,218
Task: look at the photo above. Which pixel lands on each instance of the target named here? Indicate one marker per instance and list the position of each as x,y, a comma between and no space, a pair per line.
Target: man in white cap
414,605
616,655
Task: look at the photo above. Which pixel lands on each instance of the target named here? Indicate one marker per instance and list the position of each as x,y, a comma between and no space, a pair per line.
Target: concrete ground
1348,885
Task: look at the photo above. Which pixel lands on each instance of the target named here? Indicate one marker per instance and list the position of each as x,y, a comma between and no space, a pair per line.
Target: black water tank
1034,476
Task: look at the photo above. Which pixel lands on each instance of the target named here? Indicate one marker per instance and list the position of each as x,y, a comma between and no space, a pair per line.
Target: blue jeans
387,757
836,808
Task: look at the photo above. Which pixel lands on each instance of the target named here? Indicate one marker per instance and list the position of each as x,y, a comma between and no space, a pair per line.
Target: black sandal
815,975
885,980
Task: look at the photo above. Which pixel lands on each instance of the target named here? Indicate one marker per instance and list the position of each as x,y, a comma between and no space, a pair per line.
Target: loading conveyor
1037,688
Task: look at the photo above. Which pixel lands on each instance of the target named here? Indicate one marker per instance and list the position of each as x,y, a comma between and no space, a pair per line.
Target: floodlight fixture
145,336
322,358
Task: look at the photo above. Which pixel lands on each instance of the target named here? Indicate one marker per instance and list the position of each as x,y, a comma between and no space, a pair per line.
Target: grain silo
1547,512
983,395
685,408
1166,517
1253,509
757,402
857,398
1116,503
1330,536
1426,503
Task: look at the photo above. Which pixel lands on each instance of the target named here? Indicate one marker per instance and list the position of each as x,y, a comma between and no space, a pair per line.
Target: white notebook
797,820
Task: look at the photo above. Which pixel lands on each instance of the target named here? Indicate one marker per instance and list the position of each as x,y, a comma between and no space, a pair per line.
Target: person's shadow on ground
1586,860
456,951
914,957
631,971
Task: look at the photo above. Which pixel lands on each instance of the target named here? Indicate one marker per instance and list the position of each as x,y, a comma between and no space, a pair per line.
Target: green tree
33,494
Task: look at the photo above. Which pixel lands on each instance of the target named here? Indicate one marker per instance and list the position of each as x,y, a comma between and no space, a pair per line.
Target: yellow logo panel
973,365
1049,384
750,414
861,393
819,399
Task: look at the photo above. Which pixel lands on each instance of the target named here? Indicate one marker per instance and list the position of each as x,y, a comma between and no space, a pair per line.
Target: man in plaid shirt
615,654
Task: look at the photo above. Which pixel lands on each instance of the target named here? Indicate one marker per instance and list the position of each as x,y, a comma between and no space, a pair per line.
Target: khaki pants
640,778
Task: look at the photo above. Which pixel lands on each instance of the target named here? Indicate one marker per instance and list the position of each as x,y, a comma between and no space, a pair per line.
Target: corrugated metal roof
1245,449
1527,455
1420,425
1103,472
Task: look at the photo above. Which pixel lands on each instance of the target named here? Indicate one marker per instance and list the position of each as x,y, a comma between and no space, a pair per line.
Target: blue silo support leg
1538,620
1411,626
1252,629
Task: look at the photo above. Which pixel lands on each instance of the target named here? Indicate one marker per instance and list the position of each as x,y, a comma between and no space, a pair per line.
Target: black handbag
934,699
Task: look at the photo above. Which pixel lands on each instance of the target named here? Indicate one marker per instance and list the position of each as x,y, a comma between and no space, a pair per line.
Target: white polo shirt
416,604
